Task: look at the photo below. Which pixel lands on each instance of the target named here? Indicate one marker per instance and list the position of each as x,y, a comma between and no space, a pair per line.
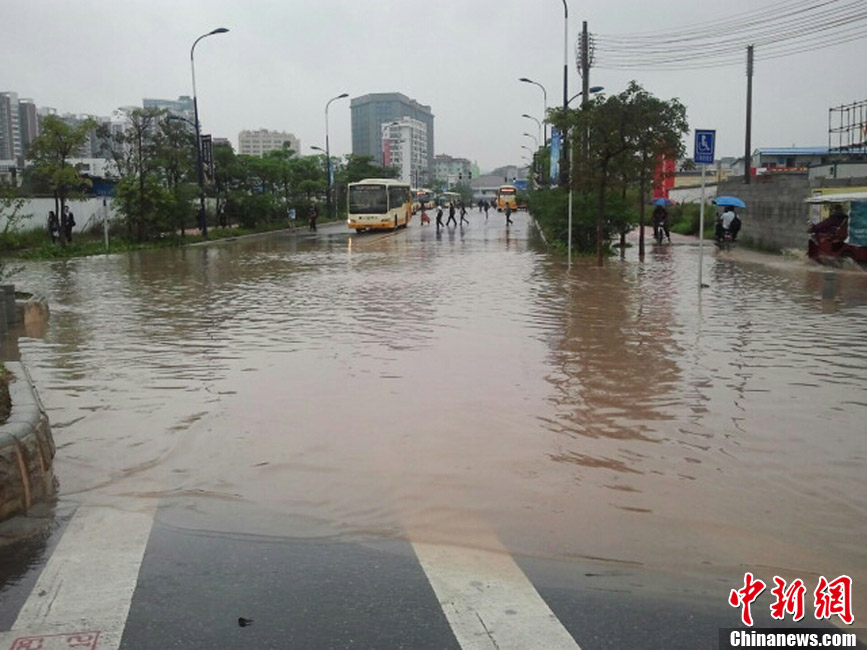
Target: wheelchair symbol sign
705,140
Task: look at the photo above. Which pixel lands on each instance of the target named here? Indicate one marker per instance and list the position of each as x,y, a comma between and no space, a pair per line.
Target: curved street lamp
544,100
328,155
538,123
590,91
534,139
203,221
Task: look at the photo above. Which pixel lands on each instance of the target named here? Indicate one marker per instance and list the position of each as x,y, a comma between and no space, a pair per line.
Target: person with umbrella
729,222
660,220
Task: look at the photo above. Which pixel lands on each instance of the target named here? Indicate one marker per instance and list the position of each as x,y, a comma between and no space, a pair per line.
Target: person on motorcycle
729,224
660,221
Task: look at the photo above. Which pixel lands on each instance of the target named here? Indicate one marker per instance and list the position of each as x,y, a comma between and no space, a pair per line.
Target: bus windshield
368,199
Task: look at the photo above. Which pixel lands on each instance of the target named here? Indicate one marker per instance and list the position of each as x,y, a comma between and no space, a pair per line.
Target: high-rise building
28,123
180,107
257,143
369,114
10,131
404,146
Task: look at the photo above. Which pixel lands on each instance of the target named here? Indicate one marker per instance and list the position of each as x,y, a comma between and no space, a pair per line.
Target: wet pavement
438,387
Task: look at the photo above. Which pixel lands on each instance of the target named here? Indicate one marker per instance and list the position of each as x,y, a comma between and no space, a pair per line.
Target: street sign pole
705,141
701,230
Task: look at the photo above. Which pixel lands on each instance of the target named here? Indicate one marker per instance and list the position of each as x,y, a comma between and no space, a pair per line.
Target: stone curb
26,448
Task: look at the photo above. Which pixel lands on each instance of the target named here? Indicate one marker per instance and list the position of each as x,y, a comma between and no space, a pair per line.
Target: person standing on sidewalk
312,216
53,226
67,222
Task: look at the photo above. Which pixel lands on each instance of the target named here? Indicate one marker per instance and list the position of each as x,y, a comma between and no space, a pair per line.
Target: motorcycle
725,241
658,232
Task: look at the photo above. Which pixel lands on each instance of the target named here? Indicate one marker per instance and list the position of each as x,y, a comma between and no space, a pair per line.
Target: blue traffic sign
705,141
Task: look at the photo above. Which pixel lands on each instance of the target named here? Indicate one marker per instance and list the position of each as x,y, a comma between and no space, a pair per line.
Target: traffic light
460,176
470,175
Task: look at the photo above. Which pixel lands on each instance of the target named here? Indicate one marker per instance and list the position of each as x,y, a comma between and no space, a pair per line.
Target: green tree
174,151
50,153
661,126
141,193
619,140
11,216
225,164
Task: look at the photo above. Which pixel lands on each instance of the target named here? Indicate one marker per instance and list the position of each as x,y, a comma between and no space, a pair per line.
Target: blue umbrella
730,200
662,201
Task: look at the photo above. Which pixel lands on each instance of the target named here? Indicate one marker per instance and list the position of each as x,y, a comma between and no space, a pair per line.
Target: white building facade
405,146
451,171
257,143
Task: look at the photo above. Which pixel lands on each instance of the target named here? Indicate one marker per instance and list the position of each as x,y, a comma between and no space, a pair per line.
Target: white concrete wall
86,212
692,194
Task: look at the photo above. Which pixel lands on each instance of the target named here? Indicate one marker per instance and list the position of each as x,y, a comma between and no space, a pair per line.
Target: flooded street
451,387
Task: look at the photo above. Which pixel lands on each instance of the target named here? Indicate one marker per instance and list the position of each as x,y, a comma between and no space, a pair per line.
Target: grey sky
282,60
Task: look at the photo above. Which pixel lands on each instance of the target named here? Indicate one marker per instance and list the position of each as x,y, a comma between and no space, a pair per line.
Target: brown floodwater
435,387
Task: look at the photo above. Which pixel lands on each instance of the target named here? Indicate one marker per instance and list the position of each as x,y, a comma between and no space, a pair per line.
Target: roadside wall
26,448
88,212
776,216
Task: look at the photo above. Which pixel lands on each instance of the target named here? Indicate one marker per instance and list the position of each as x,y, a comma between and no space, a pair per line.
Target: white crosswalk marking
488,601
88,583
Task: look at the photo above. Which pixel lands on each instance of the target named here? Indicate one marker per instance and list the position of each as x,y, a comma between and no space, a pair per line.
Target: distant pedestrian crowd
459,206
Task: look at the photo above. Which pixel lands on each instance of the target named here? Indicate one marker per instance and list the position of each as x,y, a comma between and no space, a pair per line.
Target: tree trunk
63,220
600,212
641,185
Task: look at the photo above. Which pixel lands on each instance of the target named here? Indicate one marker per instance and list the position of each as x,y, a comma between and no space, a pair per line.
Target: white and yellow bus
445,198
507,195
379,203
424,197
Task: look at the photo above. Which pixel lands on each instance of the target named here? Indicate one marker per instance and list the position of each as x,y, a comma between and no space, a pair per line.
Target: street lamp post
328,155
565,54
534,139
538,123
594,89
203,222
544,101
590,91
532,154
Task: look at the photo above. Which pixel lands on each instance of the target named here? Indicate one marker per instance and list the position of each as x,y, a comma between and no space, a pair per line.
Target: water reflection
441,381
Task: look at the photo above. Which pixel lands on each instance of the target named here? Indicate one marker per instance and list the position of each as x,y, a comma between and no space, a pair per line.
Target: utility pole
585,63
585,82
747,148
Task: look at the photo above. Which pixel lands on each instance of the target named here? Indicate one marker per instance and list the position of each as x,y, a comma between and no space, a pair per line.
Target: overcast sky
284,59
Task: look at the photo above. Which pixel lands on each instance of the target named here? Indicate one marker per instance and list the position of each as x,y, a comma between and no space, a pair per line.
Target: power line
782,29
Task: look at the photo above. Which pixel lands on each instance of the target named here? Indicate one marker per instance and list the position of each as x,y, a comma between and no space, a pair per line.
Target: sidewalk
632,238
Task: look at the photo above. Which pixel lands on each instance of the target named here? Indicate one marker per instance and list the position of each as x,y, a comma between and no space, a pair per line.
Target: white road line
488,601
88,583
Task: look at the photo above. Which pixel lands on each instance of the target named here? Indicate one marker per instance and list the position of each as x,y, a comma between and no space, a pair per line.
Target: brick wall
776,216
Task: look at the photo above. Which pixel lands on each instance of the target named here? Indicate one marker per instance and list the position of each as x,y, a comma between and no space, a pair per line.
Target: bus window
369,199
397,196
